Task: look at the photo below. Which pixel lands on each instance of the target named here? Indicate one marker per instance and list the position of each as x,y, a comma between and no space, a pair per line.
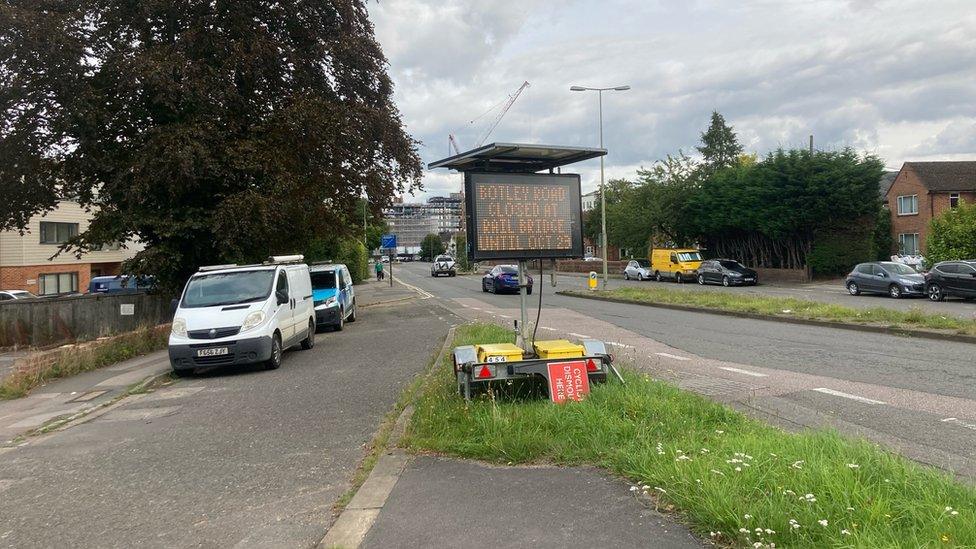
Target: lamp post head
577,88
622,88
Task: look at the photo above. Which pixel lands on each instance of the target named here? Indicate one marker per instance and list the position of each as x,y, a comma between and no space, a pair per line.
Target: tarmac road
917,396
230,458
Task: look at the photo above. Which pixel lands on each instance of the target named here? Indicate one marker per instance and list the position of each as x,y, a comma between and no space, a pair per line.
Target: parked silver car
885,277
638,269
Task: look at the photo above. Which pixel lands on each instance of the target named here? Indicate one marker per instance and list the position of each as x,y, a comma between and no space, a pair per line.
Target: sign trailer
512,211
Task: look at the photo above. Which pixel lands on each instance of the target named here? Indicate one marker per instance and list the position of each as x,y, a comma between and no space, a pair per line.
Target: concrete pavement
230,458
439,502
915,396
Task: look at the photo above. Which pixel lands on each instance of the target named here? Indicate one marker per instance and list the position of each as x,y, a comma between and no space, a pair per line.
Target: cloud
866,74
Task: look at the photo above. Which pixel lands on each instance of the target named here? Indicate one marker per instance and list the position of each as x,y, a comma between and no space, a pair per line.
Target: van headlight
330,302
252,320
179,327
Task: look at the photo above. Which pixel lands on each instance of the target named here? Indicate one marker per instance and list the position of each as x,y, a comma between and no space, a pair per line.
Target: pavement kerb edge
90,414
889,330
350,528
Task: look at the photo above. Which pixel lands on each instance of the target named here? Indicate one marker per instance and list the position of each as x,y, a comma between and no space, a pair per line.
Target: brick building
923,190
25,260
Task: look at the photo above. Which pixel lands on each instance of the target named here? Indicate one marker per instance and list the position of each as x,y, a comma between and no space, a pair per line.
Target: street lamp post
603,190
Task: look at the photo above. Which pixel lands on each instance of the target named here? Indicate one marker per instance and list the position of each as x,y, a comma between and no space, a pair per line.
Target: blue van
333,295
121,284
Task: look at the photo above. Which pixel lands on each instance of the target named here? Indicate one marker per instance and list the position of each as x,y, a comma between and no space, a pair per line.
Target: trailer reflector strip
591,366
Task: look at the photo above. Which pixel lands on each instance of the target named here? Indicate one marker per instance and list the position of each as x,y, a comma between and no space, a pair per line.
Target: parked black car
502,278
885,277
951,278
726,272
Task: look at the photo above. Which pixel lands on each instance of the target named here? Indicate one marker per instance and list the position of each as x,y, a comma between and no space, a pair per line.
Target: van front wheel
274,362
352,311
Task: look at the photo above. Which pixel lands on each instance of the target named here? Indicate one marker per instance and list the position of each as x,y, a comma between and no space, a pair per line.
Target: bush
836,252
952,235
354,255
884,245
461,244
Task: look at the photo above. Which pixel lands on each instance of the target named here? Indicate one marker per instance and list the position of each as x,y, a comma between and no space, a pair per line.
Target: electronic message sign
523,216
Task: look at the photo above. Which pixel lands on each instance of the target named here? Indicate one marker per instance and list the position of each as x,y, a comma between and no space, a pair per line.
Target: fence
47,322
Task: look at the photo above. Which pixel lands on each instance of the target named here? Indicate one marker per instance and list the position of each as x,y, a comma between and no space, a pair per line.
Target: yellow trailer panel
558,348
499,352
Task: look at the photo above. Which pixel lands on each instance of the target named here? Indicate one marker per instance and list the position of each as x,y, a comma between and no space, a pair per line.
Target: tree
211,132
720,148
884,245
952,235
430,247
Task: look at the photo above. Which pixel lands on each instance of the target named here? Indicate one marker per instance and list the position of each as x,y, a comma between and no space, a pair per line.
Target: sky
896,79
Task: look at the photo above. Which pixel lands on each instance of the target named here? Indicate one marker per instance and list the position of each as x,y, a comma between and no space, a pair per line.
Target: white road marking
959,422
423,294
624,345
581,336
669,355
548,328
741,371
504,316
846,395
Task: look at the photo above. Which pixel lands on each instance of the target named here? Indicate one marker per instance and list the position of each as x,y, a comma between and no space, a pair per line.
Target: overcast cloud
893,78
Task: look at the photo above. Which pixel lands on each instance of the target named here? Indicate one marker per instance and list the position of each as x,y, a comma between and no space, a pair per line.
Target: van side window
674,258
282,282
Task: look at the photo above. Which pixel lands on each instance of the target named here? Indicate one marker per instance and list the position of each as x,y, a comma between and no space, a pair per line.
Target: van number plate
216,351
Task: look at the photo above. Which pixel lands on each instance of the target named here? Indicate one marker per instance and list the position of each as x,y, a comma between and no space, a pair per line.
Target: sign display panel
523,216
568,381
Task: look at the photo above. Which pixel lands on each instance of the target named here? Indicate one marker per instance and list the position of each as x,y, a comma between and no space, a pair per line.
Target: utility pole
811,143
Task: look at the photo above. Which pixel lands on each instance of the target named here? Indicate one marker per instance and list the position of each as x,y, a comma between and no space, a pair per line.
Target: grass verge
73,360
733,478
789,307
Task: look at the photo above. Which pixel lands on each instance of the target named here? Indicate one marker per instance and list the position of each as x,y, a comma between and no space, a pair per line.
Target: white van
242,314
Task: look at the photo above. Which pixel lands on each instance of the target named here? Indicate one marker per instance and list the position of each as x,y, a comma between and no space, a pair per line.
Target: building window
908,205
908,243
954,200
57,283
57,233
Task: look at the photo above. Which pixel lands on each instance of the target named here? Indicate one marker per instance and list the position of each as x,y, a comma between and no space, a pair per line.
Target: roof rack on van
204,268
275,259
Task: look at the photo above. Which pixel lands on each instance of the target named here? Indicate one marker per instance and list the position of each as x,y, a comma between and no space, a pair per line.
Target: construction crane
508,105
505,106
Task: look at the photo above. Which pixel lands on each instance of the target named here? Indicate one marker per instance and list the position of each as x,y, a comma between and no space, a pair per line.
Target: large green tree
431,246
720,147
952,235
211,131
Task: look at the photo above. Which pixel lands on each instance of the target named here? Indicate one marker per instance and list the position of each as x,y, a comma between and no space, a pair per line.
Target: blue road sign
388,241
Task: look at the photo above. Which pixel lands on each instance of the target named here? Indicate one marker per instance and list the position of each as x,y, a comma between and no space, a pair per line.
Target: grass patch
792,307
83,358
732,477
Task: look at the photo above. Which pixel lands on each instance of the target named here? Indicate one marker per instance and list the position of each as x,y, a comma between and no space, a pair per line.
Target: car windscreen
443,258
643,262
689,256
898,268
508,270
212,290
22,295
731,265
323,280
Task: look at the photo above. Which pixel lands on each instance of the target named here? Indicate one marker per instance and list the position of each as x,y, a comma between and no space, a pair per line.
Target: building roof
887,179
517,158
946,176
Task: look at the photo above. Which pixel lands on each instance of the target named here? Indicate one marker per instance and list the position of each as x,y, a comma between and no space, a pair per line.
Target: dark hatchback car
885,277
504,278
951,278
726,272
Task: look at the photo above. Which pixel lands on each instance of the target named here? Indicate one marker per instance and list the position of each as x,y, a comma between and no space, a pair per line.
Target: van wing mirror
173,305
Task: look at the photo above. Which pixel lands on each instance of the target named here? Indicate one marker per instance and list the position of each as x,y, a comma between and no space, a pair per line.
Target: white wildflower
797,464
954,513
659,489
743,531
738,469
948,508
704,450
853,466
845,532
769,531
717,472
850,508
747,516
757,544
719,432
633,488
822,522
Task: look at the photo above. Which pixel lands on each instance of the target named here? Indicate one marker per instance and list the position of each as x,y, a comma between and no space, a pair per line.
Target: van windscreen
213,290
323,280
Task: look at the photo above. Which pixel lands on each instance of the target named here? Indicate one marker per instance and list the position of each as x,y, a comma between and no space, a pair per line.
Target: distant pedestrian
379,270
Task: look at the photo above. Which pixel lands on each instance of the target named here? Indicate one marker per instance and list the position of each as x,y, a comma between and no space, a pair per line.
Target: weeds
736,480
75,360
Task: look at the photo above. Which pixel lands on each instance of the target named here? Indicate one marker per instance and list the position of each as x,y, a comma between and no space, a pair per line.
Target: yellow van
678,264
